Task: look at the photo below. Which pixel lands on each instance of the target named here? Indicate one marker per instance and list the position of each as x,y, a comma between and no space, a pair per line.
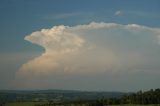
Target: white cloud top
95,48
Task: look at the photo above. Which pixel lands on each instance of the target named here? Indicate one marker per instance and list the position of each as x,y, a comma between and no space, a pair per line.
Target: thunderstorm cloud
102,49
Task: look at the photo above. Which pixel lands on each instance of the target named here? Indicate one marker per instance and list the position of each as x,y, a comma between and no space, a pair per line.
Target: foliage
150,98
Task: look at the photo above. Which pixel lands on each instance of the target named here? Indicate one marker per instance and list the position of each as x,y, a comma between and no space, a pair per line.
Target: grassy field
21,104
134,105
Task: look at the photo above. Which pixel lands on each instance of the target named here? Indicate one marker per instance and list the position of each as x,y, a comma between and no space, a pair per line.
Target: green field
21,104
135,105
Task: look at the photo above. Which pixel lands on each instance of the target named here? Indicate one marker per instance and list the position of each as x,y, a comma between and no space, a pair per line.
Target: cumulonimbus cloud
94,48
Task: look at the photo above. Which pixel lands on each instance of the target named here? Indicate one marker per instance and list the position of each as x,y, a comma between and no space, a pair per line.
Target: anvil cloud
95,48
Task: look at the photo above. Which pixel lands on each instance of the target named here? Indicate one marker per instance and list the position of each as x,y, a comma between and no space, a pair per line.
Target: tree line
147,97
142,98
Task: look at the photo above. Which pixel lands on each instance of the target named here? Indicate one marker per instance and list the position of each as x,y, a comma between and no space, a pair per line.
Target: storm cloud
98,49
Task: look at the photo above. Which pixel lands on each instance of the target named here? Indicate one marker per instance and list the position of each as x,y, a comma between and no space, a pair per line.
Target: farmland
78,98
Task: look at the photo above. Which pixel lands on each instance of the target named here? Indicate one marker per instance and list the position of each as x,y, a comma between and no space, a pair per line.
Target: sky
93,45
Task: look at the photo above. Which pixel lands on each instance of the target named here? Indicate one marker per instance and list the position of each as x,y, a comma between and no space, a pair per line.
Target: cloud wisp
95,48
119,13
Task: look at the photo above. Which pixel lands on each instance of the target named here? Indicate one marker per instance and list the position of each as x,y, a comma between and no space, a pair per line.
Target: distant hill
54,95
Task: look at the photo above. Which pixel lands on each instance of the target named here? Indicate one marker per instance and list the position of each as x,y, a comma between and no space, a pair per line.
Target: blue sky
20,18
